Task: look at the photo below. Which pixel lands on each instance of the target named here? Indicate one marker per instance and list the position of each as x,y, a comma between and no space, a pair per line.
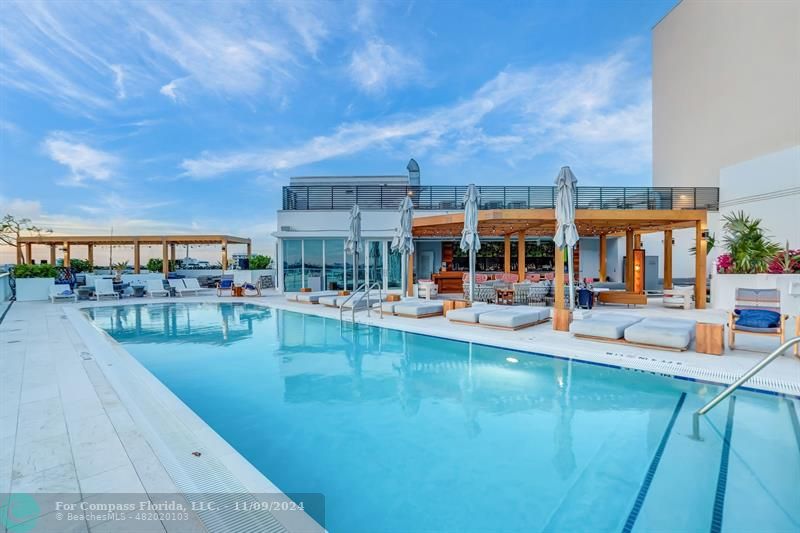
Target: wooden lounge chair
763,299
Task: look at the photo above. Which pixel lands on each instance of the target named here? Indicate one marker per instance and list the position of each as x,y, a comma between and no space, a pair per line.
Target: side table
709,338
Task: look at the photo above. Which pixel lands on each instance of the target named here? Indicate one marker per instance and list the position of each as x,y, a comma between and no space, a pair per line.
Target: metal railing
451,198
364,294
738,383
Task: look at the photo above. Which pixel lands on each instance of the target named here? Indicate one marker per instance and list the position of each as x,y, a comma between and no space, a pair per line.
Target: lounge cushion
418,308
314,297
758,318
336,301
514,317
291,296
471,314
388,307
667,332
606,325
738,327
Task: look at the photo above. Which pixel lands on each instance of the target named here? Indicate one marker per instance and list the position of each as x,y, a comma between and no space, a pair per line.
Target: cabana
603,223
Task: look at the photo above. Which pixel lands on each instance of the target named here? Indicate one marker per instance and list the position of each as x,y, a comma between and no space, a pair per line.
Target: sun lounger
225,283
104,288
609,326
192,286
469,315
313,297
668,333
291,296
179,286
514,318
62,292
388,307
155,287
337,301
421,309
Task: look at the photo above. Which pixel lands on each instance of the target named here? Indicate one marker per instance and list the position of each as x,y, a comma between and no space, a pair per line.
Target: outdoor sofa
663,333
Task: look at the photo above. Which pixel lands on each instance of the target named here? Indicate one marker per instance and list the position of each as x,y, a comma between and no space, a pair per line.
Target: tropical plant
35,271
711,241
749,247
12,228
155,265
81,265
785,262
260,262
120,267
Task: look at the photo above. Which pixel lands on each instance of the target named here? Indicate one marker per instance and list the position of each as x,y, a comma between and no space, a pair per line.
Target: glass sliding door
395,269
375,261
313,261
292,265
334,264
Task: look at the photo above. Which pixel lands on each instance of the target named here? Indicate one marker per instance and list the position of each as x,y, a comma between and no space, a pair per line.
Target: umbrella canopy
353,243
403,240
566,232
470,242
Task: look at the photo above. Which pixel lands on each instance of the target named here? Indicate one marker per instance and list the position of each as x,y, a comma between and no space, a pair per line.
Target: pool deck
79,415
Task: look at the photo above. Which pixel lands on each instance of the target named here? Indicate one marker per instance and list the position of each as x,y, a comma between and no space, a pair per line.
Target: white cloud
304,18
83,161
20,208
378,65
598,111
170,90
119,80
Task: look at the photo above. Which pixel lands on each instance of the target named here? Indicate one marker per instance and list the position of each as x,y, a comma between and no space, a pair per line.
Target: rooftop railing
451,198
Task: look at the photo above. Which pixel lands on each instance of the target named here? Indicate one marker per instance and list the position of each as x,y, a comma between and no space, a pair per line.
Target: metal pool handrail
738,383
352,294
364,295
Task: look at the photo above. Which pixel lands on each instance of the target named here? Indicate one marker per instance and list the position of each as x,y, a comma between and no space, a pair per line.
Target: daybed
470,315
313,297
419,309
603,326
667,333
514,318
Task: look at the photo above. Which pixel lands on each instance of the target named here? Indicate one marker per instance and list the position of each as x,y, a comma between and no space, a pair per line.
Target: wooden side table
344,293
449,305
305,289
237,290
392,297
709,338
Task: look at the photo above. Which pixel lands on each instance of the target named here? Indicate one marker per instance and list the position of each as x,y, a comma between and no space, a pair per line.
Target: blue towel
758,318
66,293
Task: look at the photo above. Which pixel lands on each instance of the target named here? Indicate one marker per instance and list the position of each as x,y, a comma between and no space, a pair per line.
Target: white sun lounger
514,318
291,296
155,287
469,315
192,285
62,292
388,307
104,288
668,333
337,301
419,309
610,326
313,297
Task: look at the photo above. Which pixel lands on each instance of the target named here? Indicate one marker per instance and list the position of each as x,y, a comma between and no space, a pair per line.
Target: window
375,261
312,259
395,269
292,265
334,264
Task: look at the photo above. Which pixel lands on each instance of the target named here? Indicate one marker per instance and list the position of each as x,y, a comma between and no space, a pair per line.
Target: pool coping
139,390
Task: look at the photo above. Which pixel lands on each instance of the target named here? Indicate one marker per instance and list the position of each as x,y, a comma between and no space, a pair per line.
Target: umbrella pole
403,276
571,274
471,275
355,271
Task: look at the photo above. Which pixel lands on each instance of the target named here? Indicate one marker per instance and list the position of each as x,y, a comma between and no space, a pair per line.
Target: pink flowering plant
785,262
724,264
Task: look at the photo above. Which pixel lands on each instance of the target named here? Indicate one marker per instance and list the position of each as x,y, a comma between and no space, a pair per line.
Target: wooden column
172,253
507,254
66,254
558,287
637,241
629,260
28,254
90,254
224,255
136,257
521,255
603,254
52,254
249,249
668,259
410,270
164,259
700,266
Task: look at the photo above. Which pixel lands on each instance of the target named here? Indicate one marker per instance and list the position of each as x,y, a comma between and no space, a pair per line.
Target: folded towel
758,318
66,293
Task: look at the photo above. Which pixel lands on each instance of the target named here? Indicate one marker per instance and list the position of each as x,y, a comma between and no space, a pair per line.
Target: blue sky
156,117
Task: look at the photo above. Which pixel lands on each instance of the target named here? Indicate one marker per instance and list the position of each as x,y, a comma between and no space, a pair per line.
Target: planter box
34,289
723,289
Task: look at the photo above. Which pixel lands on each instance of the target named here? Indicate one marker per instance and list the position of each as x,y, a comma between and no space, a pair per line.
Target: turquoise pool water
404,432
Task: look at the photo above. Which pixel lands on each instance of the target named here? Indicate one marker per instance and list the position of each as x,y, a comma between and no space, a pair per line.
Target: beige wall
726,86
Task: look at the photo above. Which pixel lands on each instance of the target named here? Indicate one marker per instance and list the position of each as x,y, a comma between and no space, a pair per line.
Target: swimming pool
406,432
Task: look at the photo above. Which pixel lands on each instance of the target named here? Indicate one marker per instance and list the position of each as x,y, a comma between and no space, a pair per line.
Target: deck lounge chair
192,286
470,315
313,297
62,292
605,326
760,300
251,289
181,288
419,309
104,288
514,318
155,287
664,333
226,284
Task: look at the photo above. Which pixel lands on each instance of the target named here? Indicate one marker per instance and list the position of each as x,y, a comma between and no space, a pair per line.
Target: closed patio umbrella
566,232
353,243
403,241
470,242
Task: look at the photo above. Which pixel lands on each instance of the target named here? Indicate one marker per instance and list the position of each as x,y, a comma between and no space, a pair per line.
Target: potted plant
34,281
119,269
749,248
785,262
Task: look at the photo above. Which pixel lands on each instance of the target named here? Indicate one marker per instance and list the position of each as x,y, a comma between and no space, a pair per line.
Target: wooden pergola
167,242
632,223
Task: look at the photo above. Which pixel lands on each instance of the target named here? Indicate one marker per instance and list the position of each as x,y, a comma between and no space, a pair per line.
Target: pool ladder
738,383
365,294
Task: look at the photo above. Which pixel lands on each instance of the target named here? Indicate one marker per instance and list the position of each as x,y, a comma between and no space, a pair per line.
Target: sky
170,117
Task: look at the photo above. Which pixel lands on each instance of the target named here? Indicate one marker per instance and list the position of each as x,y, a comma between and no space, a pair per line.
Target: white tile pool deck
79,415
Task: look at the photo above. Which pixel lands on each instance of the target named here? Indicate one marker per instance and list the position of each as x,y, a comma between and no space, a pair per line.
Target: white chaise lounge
419,309
312,297
104,288
62,292
603,326
155,287
470,315
192,286
514,318
666,333
181,288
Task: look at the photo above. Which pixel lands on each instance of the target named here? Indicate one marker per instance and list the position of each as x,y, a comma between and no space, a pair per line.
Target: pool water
405,432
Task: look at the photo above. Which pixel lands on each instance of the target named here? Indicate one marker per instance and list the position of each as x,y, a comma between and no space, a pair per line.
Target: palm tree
750,249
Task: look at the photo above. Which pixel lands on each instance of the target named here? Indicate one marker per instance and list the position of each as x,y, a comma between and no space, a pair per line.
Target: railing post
695,198
624,198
